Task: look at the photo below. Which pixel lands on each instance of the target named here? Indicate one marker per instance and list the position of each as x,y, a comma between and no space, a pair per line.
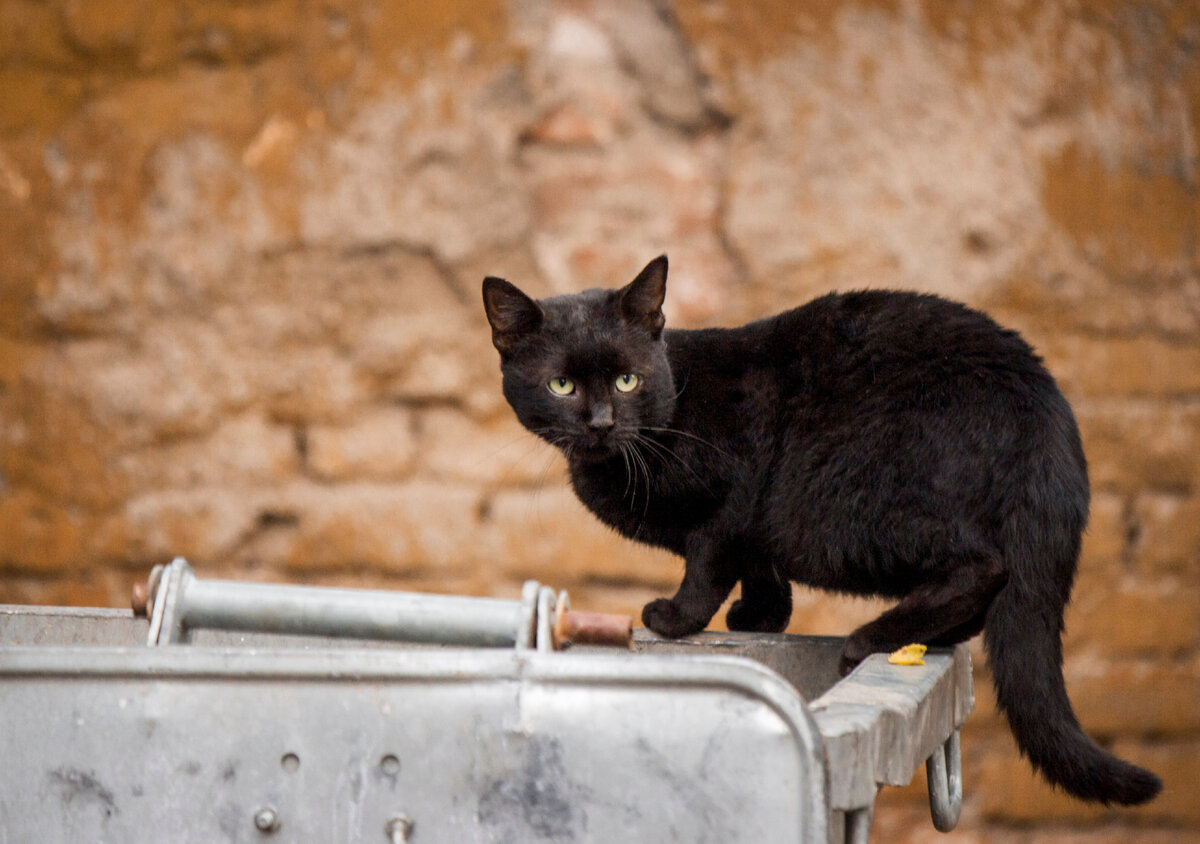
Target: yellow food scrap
908,655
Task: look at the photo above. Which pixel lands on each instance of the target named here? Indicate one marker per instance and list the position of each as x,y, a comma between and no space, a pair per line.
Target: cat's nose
600,417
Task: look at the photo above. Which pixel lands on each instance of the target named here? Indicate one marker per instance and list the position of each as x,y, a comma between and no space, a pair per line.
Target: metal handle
182,602
943,770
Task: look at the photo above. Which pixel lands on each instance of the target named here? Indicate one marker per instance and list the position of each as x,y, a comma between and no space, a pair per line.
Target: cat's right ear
642,299
511,313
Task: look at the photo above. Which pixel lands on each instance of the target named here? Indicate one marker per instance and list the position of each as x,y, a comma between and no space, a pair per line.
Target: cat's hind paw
846,665
856,649
757,618
664,618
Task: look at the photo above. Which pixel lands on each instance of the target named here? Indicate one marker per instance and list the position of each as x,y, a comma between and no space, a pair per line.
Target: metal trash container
290,737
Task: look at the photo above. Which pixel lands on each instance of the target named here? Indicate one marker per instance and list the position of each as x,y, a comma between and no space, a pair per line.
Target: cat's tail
1022,634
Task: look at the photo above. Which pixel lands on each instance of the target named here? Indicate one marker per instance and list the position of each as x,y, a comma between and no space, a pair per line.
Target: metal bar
358,613
183,603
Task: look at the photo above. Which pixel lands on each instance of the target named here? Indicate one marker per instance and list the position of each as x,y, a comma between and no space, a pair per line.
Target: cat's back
897,321
897,341
876,359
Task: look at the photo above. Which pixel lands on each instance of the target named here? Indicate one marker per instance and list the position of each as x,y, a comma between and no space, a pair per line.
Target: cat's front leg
708,579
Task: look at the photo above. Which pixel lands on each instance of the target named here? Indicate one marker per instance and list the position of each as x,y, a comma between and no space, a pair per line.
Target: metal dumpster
228,735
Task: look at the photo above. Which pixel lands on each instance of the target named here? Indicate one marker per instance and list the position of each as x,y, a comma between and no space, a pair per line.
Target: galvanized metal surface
200,744
618,713
809,663
883,721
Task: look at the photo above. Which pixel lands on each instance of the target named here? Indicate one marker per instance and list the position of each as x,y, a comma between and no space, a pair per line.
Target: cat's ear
511,313
642,298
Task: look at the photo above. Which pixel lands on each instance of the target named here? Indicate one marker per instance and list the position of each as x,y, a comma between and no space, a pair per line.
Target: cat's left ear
642,298
511,313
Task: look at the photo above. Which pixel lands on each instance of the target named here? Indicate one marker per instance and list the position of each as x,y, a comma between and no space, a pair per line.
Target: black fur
875,443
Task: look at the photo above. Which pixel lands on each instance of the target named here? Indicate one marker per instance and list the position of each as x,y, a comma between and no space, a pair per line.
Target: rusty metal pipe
594,628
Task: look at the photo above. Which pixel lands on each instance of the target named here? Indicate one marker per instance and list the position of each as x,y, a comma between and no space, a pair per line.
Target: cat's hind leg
941,611
765,606
959,634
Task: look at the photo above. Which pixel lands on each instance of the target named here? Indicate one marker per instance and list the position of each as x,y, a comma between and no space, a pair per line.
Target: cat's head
586,371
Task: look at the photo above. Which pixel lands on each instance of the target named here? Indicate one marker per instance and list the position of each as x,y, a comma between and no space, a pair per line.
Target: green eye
561,386
627,382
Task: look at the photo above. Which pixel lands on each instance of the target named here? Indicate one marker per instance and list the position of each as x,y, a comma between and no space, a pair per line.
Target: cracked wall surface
241,247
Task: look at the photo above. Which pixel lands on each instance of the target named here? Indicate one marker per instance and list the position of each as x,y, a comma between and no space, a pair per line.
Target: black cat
875,443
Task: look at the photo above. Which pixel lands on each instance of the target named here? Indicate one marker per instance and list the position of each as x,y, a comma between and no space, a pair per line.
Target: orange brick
1138,366
391,527
903,821
1124,698
37,535
80,590
1134,445
377,444
825,614
1008,790
549,536
1137,618
1105,539
1169,535
497,452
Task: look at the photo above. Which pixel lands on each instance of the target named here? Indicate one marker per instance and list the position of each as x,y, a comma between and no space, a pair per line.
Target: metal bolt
266,819
398,828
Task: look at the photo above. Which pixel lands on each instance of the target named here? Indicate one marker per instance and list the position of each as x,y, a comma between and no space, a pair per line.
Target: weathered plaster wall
241,244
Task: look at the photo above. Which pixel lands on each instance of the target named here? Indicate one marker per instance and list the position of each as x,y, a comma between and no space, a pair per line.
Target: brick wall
241,244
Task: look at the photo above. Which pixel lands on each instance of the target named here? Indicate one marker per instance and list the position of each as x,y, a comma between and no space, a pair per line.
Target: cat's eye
561,386
627,382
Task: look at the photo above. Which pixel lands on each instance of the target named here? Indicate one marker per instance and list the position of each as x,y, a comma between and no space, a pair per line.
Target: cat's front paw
757,618
664,618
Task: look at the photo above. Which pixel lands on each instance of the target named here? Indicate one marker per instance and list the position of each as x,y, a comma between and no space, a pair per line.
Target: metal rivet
390,765
290,762
266,819
398,828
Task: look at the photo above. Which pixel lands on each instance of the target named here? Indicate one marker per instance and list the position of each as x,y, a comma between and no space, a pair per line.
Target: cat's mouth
593,448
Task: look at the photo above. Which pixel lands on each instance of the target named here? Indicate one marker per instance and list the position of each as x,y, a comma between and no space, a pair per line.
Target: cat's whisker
639,461
665,452
532,448
629,474
695,437
631,470
646,504
682,387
